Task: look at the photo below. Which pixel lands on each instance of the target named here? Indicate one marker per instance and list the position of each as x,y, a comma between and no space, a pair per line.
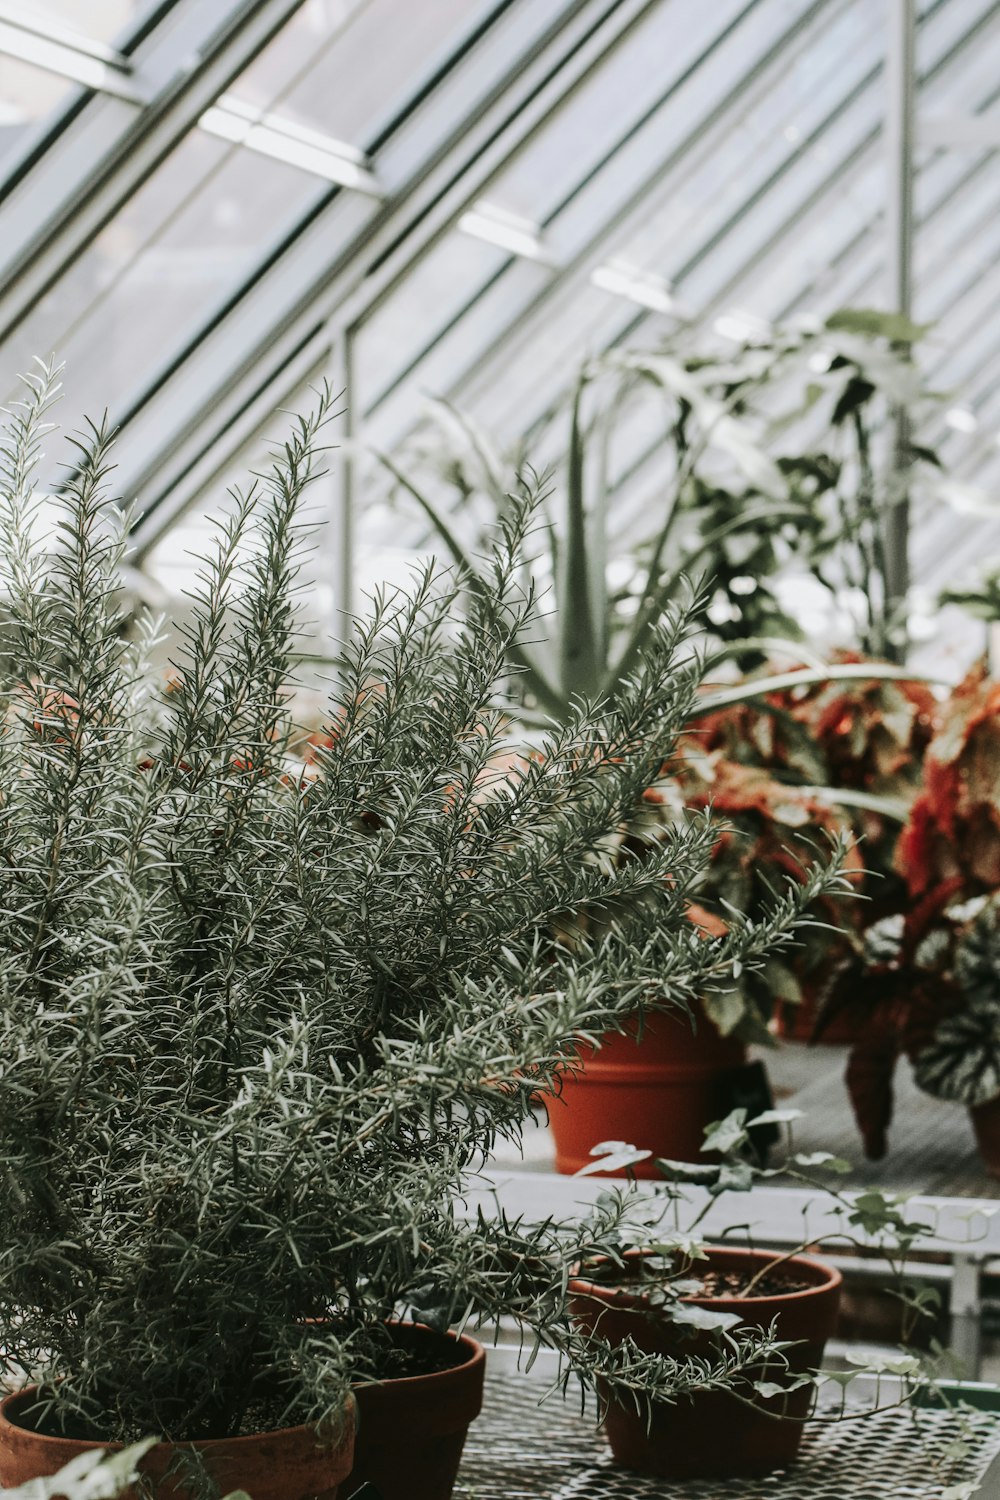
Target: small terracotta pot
287,1464
711,1434
657,1091
411,1431
986,1124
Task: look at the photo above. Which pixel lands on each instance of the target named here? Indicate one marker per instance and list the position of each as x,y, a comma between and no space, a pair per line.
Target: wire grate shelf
520,1450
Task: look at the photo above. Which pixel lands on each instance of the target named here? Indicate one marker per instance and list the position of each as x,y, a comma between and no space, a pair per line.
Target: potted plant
668,1291
262,1017
924,979
933,989
858,748
663,1081
737,501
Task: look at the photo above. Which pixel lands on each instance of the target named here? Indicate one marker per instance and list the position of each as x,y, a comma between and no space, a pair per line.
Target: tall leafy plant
260,1018
770,454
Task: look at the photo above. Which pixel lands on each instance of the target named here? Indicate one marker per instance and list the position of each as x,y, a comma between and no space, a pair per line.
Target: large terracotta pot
411,1431
657,1091
986,1124
287,1464
712,1434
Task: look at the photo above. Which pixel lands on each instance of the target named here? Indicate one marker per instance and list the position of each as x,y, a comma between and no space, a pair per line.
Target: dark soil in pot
712,1434
411,1428
290,1463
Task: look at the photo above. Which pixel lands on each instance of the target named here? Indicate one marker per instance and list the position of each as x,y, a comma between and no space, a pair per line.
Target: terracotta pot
287,1464
411,1431
711,1434
657,1091
986,1124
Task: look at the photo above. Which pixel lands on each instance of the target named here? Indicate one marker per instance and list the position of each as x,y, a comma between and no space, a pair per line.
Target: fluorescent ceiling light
283,140
961,419
507,231
637,286
93,67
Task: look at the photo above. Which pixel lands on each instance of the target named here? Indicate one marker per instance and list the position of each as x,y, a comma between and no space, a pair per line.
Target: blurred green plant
770,454
980,597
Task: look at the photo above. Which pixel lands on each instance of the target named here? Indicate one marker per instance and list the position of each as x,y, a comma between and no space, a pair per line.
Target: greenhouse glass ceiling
205,207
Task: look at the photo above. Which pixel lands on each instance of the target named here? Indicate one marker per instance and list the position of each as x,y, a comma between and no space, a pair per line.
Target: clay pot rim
476,1358
247,1438
829,1280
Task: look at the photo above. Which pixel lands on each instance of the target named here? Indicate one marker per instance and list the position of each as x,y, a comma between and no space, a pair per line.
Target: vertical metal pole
340,549
900,132
966,1314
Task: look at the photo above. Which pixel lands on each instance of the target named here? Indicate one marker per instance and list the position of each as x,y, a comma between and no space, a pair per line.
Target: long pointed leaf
492,469
798,650
896,808
579,666
745,692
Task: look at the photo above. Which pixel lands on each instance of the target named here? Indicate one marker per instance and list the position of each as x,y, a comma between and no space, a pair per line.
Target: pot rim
13,1397
830,1280
475,1360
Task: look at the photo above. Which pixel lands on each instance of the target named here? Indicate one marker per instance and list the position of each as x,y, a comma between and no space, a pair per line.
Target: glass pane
27,95
194,231
343,67
214,210
642,73
433,295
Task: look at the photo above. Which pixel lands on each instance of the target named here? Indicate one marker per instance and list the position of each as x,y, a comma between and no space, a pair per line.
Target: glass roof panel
757,163
215,209
632,81
419,311
343,67
27,95
194,230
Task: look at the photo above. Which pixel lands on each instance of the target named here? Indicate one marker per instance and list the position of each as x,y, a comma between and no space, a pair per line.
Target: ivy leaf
725,1135
734,1177
613,1156
872,320
824,1159
883,1364
776,1117
687,1171
701,1317
725,1009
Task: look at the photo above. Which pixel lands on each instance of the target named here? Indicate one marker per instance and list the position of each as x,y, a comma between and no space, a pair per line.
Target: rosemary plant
261,1019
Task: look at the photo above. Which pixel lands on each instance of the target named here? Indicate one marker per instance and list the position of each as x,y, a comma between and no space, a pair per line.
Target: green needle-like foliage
260,1019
